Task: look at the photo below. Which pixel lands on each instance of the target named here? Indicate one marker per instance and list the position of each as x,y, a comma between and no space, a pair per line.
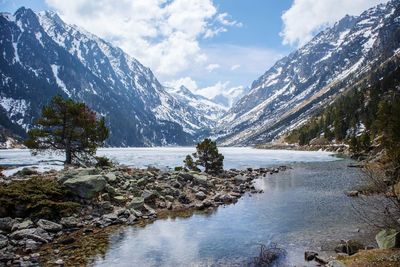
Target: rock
310,255
37,234
6,224
111,177
136,203
186,177
110,217
23,225
69,222
349,247
353,193
149,196
200,180
240,179
131,219
106,206
31,245
49,225
111,190
119,199
335,263
200,195
3,241
59,262
86,186
388,238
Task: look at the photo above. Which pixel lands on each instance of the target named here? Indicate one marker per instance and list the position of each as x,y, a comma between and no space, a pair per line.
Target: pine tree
208,156
69,127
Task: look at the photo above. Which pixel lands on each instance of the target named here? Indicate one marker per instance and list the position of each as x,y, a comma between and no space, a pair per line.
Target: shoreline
127,197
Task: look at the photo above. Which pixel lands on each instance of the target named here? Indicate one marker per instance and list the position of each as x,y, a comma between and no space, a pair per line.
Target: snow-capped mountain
297,85
228,98
41,56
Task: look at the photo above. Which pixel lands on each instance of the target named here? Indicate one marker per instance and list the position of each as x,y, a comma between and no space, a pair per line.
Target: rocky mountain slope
41,56
311,77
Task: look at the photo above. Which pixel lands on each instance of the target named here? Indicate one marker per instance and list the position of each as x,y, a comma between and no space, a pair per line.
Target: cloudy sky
202,43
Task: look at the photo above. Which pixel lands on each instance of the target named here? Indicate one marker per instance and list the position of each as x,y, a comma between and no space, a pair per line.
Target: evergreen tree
67,126
208,156
190,164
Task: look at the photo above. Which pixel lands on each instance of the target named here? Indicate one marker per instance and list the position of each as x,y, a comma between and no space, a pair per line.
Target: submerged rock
388,238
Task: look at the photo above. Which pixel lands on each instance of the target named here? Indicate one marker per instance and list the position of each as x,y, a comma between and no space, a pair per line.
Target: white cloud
162,34
214,90
305,17
185,81
212,67
235,67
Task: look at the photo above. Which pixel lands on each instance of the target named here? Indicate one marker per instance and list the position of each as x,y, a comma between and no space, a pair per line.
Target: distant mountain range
41,56
311,77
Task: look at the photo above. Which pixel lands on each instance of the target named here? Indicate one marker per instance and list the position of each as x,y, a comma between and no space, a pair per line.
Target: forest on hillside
366,116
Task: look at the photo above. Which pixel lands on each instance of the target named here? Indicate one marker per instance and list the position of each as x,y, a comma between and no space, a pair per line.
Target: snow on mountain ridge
335,55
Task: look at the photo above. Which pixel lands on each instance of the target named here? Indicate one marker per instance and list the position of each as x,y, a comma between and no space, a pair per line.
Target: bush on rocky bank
35,198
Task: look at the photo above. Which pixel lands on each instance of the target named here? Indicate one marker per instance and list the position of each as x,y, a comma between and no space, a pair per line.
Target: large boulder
111,177
72,173
201,195
388,238
49,225
240,179
149,196
396,188
86,186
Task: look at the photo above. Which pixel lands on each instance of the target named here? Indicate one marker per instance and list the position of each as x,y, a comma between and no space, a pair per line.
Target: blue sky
207,45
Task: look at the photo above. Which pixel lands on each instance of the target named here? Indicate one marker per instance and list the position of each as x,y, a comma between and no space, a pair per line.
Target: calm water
300,209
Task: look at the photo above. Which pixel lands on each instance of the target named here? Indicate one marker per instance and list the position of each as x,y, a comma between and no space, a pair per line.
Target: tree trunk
68,156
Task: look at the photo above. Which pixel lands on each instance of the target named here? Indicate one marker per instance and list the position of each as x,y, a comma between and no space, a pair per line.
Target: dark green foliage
374,103
207,156
67,126
104,162
190,164
35,198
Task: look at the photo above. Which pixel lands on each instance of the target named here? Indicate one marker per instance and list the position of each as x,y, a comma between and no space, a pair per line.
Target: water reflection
303,208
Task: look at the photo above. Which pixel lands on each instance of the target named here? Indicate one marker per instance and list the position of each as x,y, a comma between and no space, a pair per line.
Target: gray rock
149,196
86,186
69,222
49,225
349,247
31,245
111,177
131,219
59,262
3,241
37,234
136,203
200,179
240,179
200,195
23,225
6,224
388,238
110,217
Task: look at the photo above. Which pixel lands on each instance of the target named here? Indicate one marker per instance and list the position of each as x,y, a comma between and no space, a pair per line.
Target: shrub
35,198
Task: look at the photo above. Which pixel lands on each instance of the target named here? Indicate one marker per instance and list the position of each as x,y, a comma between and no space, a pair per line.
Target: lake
303,208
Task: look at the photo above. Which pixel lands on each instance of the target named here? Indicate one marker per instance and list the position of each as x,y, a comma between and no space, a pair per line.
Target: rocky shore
112,196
